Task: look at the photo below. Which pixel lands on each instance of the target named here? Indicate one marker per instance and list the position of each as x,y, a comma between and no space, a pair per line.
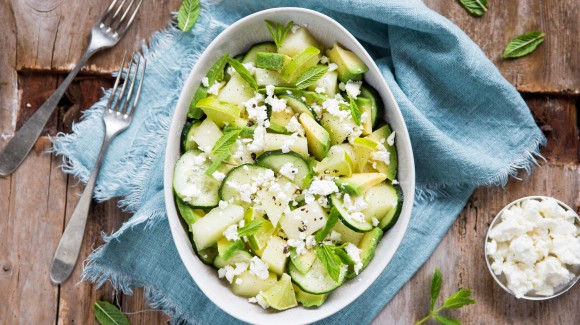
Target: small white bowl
237,39
501,279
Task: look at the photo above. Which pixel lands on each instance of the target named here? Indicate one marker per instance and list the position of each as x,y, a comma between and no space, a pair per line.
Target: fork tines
122,103
113,20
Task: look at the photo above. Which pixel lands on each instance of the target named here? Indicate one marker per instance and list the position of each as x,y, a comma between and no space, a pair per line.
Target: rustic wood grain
554,67
8,73
52,34
461,260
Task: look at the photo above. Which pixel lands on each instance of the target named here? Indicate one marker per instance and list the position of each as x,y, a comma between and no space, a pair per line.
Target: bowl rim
564,289
386,97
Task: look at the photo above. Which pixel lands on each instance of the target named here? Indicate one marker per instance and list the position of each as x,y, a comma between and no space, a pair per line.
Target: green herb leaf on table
244,73
355,111
435,287
523,45
226,141
278,31
330,260
447,320
457,300
251,228
188,14
330,222
310,76
475,7
108,314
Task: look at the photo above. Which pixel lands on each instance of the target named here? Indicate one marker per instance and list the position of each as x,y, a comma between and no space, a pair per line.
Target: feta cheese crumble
533,245
205,81
218,175
231,232
294,126
288,170
353,88
259,268
354,254
215,88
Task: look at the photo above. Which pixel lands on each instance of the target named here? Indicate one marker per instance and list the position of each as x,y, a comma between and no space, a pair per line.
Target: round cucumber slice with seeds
316,280
275,160
191,184
297,105
238,176
347,218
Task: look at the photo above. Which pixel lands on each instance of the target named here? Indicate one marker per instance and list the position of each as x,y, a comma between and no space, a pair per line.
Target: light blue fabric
469,127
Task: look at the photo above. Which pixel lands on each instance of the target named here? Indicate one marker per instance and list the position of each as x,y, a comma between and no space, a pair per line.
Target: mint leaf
215,73
435,287
311,76
459,299
523,45
330,222
108,314
475,7
251,228
226,141
343,256
355,111
215,165
278,31
188,14
447,320
330,260
244,73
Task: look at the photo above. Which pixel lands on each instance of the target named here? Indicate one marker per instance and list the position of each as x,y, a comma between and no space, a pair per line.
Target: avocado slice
338,130
339,164
300,63
272,61
309,299
358,183
221,112
350,66
365,106
279,120
303,262
368,247
227,248
318,138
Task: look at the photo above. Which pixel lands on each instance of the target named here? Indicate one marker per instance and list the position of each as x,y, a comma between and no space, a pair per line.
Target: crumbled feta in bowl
532,248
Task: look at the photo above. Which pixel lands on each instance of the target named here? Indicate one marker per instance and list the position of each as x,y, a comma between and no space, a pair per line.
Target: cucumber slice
390,170
274,142
297,104
297,41
271,61
395,198
268,47
206,135
346,217
249,285
377,107
275,256
236,91
316,280
191,184
276,159
347,235
189,215
211,227
188,140
244,174
241,256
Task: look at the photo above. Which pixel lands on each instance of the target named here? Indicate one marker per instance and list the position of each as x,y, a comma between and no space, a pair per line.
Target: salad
287,177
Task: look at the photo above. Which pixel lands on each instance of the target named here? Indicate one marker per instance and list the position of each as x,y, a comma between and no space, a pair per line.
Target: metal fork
116,118
107,31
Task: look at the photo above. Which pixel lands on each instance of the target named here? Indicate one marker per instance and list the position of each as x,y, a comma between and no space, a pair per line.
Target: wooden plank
8,91
52,35
76,299
554,67
31,226
139,312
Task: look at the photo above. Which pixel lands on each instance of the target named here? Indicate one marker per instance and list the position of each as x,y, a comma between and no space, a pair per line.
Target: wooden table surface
42,40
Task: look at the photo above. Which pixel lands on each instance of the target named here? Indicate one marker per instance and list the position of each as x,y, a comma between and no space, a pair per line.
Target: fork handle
67,251
20,145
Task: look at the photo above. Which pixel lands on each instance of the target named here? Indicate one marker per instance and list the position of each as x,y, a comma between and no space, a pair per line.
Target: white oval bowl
237,39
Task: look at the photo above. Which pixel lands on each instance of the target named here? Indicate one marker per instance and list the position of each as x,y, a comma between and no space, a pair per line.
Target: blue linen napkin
469,127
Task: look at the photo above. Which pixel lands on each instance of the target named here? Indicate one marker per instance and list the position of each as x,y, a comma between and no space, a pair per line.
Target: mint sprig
278,31
330,222
225,142
243,72
331,261
188,14
475,7
457,300
251,228
355,110
108,314
310,76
